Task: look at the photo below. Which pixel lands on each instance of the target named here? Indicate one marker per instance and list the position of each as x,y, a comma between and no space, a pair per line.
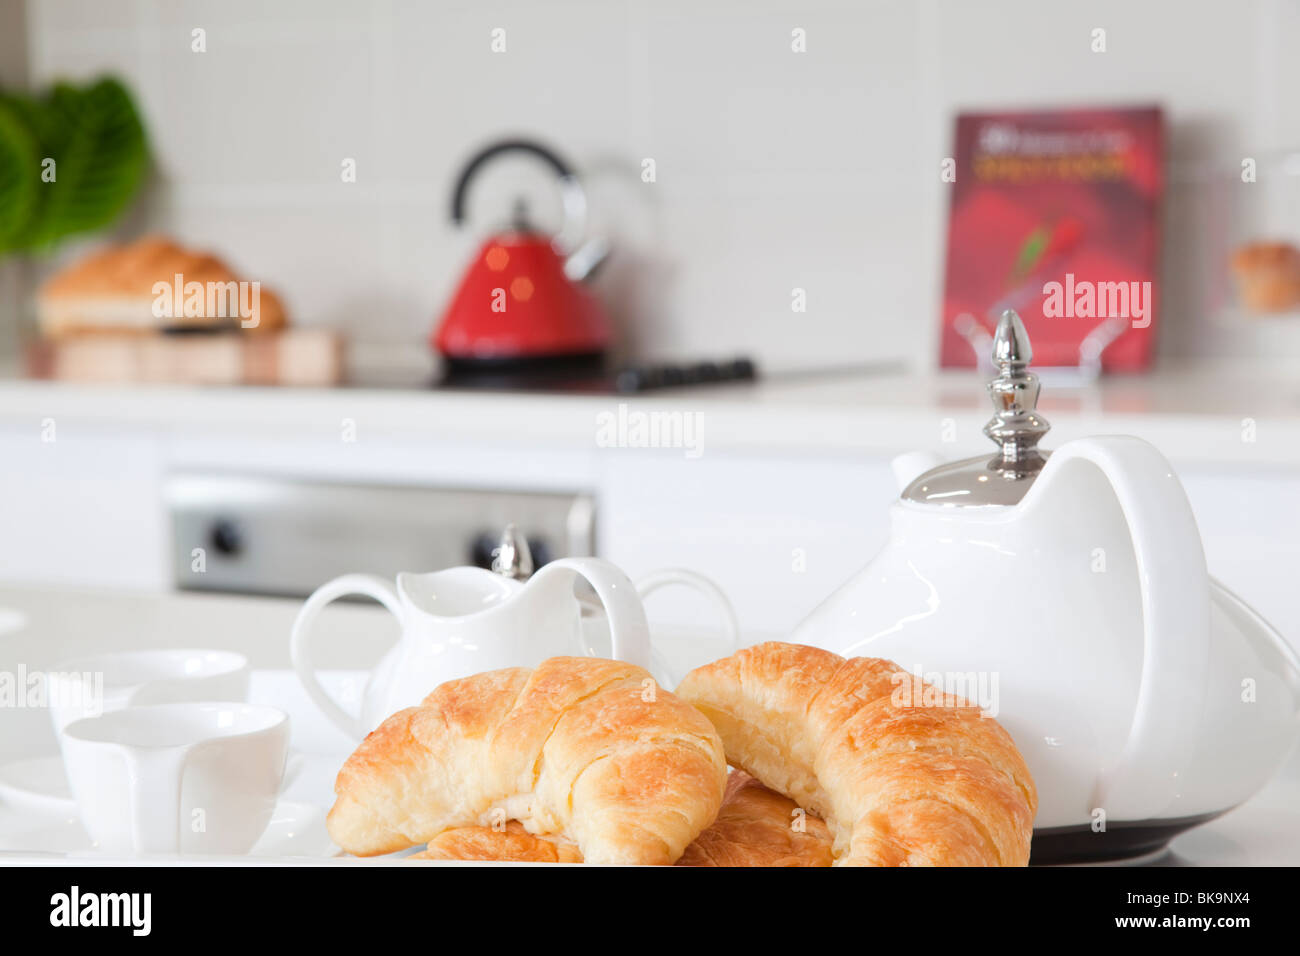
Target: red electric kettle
522,302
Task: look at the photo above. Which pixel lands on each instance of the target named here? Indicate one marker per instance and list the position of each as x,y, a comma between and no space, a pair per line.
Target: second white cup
100,684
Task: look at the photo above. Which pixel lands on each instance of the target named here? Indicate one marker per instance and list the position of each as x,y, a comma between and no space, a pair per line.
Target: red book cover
1056,215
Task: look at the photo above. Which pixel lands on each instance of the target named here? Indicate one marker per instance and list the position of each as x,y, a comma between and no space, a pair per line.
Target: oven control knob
226,538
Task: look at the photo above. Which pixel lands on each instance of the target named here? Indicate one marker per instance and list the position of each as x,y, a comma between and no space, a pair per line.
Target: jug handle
1175,614
666,577
629,634
300,641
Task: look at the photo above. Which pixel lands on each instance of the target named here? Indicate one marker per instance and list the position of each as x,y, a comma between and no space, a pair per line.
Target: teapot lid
1016,427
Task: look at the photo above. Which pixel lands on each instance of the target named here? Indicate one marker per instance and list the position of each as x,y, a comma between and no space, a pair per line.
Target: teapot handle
629,634
1175,612
300,641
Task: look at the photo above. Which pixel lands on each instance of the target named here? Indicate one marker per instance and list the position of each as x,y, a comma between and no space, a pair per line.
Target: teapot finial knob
512,556
1002,479
1011,342
1016,424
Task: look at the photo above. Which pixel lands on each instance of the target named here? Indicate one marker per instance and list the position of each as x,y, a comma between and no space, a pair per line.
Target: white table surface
58,624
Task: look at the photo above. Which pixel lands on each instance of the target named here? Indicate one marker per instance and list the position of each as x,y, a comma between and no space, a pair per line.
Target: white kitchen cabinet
788,499
776,533
79,505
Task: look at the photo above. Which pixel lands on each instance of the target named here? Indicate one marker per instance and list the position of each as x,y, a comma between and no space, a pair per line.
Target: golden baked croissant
755,827
580,747
514,844
906,783
759,827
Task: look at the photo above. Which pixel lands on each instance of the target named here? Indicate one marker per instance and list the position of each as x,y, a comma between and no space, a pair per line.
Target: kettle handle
1175,612
629,634
300,641
562,169
572,195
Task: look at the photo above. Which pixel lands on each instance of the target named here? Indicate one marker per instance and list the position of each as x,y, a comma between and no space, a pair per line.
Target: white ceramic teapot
464,620
1067,592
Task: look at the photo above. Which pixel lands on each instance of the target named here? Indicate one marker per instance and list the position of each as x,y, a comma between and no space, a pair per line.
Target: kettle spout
583,263
912,465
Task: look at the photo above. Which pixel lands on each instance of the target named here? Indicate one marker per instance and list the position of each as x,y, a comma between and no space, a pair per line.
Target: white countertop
1232,414
58,624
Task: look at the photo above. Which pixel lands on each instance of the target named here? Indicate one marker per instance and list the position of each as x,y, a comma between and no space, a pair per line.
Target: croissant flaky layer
511,844
587,750
899,782
755,827
759,827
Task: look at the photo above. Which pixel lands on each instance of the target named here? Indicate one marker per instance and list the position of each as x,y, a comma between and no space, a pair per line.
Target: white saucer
296,830
39,815
37,783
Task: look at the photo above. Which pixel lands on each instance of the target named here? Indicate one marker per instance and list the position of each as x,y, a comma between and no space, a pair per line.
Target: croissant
514,844
755,827
898,782
759,827
585,749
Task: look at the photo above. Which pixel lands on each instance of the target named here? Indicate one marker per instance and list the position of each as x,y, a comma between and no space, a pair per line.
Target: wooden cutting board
301,357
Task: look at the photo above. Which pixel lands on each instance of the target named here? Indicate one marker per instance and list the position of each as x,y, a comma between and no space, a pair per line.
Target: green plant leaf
20,176
95,136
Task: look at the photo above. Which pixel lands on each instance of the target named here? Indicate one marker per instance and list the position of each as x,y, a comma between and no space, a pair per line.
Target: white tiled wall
775,169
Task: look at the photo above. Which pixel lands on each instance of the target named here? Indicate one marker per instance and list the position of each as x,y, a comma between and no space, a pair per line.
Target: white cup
177,778
90,686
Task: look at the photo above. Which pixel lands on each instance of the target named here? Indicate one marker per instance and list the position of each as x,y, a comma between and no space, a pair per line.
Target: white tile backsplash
775,170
